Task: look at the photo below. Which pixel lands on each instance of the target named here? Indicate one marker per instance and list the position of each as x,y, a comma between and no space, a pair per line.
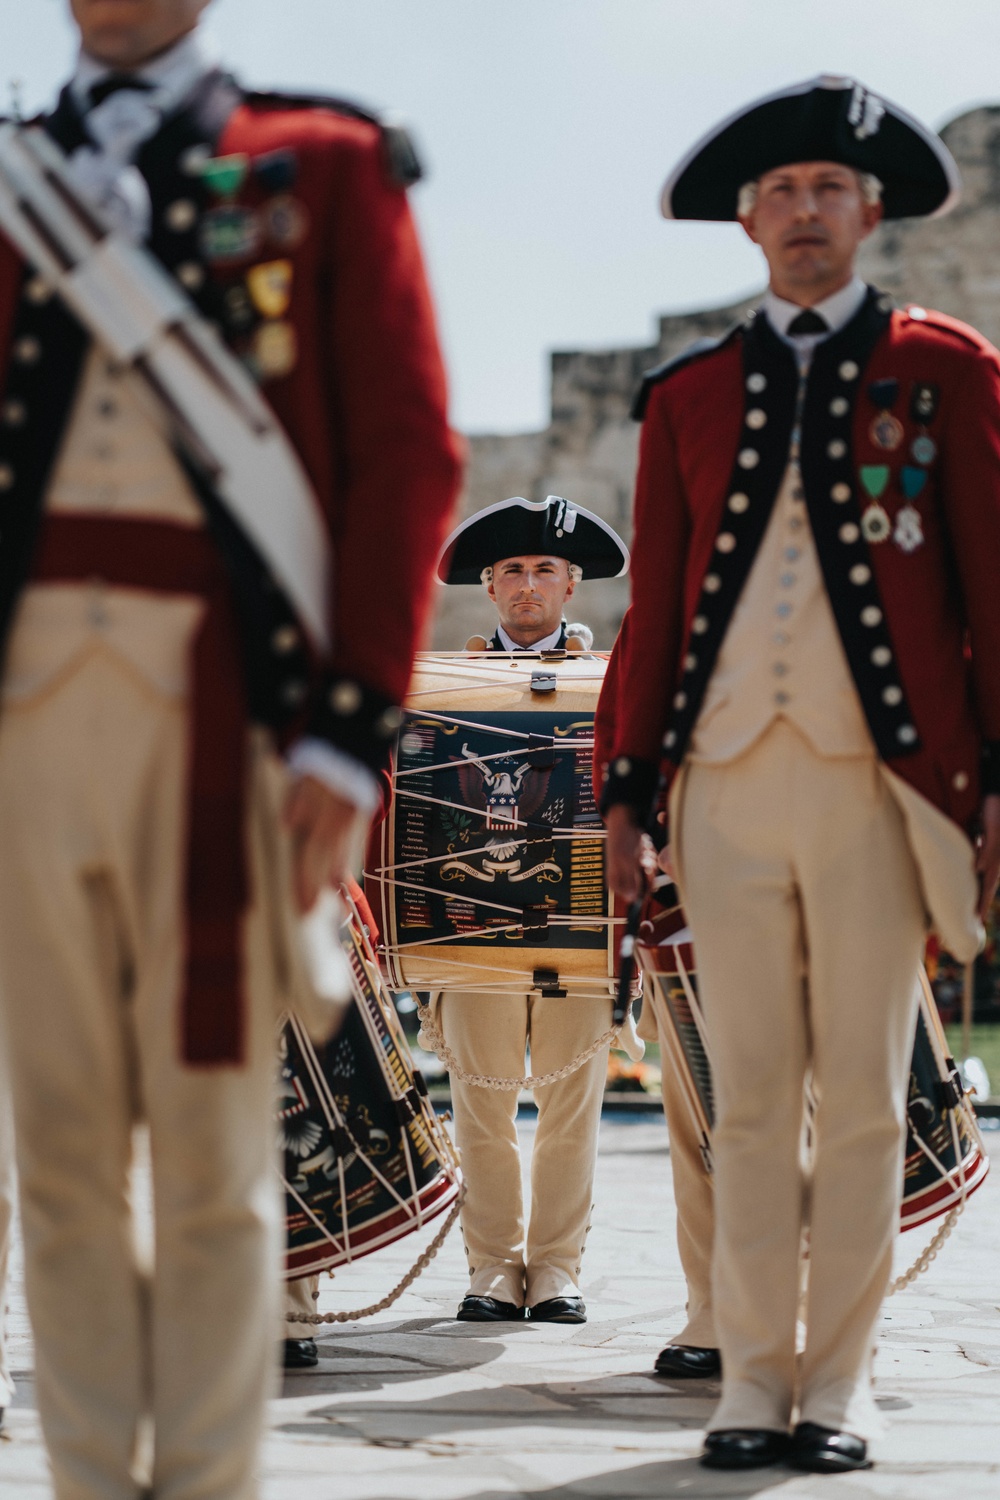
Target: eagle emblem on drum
512,792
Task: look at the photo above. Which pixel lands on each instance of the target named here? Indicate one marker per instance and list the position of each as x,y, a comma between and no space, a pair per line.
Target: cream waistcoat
781,657
113,462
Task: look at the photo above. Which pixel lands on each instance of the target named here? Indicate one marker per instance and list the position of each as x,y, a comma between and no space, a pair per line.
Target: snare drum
365,1159
488,873
945,1157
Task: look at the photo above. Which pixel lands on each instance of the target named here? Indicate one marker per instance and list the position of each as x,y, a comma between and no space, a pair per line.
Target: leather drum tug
488,873
945,1157
365,1159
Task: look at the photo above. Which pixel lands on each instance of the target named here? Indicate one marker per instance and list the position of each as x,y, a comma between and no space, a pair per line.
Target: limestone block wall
588,451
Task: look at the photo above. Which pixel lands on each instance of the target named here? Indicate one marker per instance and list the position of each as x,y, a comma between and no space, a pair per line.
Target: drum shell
501,751
365,1159
931,1187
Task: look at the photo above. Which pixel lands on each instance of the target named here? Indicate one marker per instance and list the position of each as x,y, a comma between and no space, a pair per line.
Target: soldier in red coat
154,667
809,691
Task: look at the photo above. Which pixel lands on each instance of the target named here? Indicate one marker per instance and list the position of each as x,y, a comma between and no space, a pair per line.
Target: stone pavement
412,1405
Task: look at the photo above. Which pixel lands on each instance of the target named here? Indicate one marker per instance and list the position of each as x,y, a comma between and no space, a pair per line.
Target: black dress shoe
475,1309
688,1362
744,1448
824,1450
559,1310
300,1354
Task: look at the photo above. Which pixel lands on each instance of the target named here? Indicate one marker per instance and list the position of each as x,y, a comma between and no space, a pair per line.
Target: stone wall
588,450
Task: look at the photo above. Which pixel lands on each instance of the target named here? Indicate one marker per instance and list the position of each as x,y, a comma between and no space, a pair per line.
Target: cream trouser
489,1034
92,806
300,1297
804,904
7,1188
694,1205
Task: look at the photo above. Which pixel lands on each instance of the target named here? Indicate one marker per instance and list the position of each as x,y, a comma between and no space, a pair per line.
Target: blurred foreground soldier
7,1189
812,660
529,556
153,841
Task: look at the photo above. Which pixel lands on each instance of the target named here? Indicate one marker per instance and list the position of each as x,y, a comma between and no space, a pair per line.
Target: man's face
126,33
529,593
809,220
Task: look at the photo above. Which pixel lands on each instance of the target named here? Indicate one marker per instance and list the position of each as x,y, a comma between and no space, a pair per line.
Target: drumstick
627,958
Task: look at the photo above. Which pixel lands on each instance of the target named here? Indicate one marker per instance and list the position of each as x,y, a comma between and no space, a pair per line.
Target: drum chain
417,1269
431,1037
929,1253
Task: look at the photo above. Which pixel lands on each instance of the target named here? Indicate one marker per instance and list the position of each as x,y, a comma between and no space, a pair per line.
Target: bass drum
488,873
945,1156
365,1159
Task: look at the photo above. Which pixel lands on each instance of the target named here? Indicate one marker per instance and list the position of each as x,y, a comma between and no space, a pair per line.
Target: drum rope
930,1252
432,1039
420,1265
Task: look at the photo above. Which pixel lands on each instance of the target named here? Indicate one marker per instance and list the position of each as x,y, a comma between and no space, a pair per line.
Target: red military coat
298,243
363,397
920,628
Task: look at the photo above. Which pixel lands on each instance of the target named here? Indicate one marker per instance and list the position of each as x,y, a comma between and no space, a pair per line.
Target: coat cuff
631,783
356,719
346,777
991,768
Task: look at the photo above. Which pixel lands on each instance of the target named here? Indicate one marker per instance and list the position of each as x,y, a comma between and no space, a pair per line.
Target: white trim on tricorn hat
807,122
552,527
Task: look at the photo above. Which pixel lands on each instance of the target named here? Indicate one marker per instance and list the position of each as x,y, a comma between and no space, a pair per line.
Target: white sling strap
193,385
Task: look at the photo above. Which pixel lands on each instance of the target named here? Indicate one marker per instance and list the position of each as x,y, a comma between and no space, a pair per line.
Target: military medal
270,287
274,351
912,481
875,523
886,431
909,532
924,402
229,233
224,175
924,449
276,172
286,221
240,314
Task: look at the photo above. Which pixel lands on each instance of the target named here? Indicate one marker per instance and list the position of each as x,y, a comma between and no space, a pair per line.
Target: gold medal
270,287
875,524
275,350
886,431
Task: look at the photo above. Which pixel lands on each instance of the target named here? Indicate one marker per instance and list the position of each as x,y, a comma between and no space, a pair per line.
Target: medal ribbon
168,559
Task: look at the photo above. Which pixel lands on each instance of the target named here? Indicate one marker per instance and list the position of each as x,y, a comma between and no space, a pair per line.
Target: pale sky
547,127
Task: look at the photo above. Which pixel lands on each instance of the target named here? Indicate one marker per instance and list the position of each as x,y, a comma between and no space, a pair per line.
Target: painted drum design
488,872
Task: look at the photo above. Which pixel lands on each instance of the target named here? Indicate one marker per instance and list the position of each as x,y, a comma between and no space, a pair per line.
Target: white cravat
123,121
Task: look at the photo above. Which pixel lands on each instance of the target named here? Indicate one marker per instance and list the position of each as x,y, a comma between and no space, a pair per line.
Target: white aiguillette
196,389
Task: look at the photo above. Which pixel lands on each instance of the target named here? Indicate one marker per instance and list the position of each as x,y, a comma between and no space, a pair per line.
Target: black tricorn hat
825,119
532,528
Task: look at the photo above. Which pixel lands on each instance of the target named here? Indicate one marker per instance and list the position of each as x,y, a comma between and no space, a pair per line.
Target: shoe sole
669,1373
821,1466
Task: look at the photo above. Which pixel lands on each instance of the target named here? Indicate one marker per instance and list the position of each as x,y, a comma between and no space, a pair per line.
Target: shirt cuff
341,773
